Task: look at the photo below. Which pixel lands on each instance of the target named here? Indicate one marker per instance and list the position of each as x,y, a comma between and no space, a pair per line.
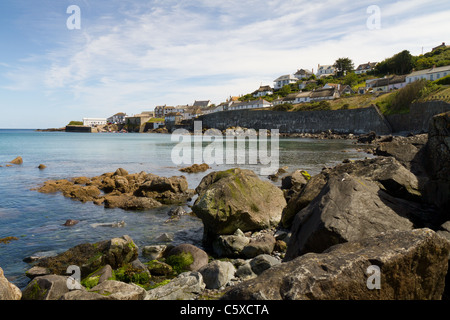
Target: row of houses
322,71
394,82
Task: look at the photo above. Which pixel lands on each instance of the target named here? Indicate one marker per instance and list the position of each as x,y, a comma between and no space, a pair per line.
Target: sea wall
418,118
78,129
357,121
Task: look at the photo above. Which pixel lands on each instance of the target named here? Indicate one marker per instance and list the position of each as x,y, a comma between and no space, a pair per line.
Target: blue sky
130,56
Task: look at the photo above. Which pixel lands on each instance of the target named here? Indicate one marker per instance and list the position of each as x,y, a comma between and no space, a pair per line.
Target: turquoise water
36,219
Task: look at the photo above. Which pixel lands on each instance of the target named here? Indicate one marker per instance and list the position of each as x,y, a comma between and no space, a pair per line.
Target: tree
351,79
285,90
343,65
400,63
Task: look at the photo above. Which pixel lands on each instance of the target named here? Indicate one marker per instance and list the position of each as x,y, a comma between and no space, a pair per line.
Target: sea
37,219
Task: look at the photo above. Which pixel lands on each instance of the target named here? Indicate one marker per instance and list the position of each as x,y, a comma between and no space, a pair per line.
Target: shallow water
37,219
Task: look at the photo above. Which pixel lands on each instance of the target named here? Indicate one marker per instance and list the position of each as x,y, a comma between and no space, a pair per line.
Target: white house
325,70
324,94
281,81
432,74
118,118
303,97
277,101
366,67
92,122
263,91
387,84
303,74
254,104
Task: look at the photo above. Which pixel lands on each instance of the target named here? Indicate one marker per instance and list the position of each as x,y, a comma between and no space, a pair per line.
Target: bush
442,81
283,107
75,123
315,106
400,101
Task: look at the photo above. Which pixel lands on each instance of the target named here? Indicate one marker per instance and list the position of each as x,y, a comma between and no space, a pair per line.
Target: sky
59,65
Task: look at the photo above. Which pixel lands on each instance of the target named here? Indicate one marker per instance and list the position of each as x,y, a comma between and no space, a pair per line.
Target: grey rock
49,287
245,271
348,208
264,244
230,245
154,252
262,263
217,273
184,287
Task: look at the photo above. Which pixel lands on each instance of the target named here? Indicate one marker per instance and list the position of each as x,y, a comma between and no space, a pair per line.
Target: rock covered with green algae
237,199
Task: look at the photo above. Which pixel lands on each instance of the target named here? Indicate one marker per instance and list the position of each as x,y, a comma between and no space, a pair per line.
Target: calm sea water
36,219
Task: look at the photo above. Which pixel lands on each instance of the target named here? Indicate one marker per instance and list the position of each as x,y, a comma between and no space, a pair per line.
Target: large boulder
8,291
409,151
412,265
387,172
90,257
347,209
438,163
237,199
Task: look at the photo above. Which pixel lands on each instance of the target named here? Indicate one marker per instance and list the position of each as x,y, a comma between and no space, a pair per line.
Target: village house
277,101
304,84
325,71
388,83
253,104
440,46
281,81
303,74
324,94
118,118
263,91
366,67
341,88
92,122
202,103
302,97
432,74
173,118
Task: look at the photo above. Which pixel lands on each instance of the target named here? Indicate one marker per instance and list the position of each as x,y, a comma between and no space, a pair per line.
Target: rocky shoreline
315,237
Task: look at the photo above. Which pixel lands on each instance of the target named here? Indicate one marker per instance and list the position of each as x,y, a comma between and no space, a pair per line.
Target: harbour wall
356,121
